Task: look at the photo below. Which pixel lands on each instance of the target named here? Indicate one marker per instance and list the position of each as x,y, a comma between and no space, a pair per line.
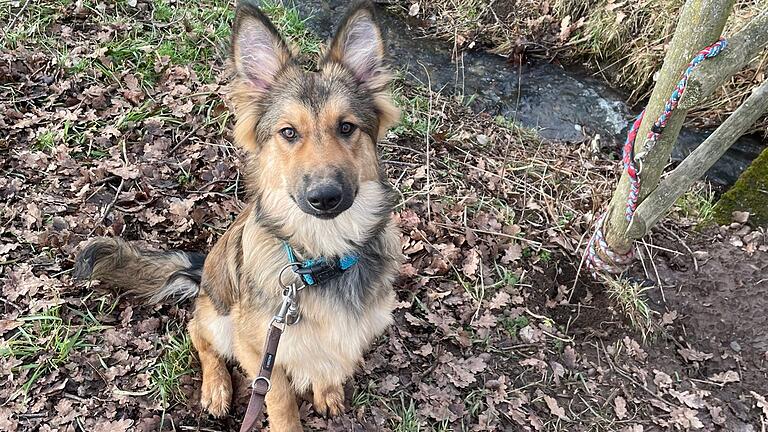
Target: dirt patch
722,305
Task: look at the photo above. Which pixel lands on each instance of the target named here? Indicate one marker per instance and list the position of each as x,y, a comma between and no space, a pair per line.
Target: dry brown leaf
726,377
555,408
694,356
620,407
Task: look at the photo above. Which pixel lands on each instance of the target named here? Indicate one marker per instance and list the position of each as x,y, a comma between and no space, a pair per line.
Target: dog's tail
153,276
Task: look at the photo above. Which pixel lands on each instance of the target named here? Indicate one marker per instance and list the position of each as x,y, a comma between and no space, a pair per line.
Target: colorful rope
628,157
618,262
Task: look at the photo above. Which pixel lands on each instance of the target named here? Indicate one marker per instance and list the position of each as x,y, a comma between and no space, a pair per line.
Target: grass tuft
408,420
167,372
46,141
44,342
291,25
698,204
630,298
416,118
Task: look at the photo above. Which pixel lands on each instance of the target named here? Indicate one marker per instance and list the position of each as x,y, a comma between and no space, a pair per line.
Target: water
561,104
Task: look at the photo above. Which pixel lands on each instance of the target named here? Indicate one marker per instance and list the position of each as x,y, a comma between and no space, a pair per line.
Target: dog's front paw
216,395
329,401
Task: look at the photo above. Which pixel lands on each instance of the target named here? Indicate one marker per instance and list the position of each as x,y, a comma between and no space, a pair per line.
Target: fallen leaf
471,263
694,356
725,377
499,300
555,408
620,407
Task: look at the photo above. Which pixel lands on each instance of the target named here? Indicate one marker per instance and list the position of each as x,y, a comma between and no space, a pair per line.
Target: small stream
561,104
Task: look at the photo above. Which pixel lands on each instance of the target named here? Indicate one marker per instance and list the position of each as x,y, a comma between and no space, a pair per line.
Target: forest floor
115,122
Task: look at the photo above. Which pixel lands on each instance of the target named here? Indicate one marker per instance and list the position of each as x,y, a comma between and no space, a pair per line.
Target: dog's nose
324,197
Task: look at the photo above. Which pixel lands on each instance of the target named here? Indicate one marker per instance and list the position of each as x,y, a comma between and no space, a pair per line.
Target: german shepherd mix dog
317,193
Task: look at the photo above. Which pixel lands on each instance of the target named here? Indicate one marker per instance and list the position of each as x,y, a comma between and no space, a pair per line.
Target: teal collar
319,270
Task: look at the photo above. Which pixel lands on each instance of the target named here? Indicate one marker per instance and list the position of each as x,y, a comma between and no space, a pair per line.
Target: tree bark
692,167
742,48
701,24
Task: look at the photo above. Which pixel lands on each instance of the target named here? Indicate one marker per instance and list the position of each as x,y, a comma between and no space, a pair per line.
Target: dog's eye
346,128
288,133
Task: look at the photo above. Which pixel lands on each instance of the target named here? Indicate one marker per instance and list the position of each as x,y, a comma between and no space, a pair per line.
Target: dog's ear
359,47
258,50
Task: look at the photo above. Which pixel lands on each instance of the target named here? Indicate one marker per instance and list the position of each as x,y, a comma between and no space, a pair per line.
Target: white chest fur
329,343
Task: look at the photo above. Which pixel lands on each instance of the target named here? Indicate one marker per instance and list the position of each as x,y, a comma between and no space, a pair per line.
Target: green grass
292,26
698,204
408,420
192,34
175,363
475,402
364,396
44,343
415,114
630,299
29,23
545,256
46,141
162,11
513,325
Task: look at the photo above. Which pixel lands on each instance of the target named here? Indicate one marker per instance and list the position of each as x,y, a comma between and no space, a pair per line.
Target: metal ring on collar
269,383
282,270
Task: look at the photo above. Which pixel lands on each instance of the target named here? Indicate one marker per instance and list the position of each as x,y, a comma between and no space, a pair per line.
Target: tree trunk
701,24
692,167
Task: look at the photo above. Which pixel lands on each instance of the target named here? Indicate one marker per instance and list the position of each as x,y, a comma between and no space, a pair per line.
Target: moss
750,193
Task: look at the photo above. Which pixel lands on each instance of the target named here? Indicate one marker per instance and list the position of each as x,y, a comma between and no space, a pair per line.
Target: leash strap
262,384
311,272
628,157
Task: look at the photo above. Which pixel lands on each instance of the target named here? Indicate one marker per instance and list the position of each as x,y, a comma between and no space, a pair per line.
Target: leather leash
310,272
262,384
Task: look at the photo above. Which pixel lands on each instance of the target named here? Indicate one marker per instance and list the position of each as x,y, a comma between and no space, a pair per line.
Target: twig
104,180
109,207
16,17
655,271
672,233
426,139
581,265
186,137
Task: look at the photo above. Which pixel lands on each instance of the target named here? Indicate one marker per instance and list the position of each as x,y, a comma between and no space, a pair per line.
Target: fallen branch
701,23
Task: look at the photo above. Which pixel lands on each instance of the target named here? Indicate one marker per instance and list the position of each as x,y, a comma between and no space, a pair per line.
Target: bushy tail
153,276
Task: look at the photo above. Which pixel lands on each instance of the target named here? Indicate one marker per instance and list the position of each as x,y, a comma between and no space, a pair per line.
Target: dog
317,193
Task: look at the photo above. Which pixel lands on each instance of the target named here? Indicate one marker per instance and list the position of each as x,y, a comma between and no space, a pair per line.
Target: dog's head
312,134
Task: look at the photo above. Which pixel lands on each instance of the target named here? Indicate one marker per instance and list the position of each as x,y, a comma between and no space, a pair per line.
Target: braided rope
616,263
628,157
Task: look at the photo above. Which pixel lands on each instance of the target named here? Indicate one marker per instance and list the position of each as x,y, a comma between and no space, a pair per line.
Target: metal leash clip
288,313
